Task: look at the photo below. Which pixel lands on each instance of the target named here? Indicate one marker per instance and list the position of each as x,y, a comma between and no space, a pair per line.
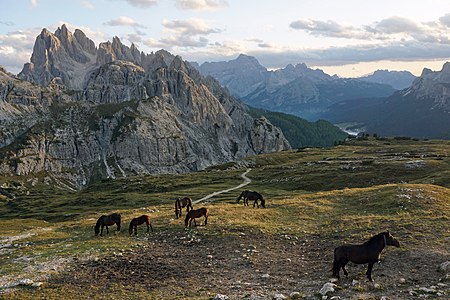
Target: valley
316,198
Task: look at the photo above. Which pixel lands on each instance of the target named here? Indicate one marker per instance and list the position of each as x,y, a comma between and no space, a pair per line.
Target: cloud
87,4
329,29
16,47
389,29
184,33
201,4
142,3
124,21
34,3
7,23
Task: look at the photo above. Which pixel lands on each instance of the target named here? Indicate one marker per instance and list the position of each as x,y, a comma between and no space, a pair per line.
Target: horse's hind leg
150,224
369,271
206,220
107,231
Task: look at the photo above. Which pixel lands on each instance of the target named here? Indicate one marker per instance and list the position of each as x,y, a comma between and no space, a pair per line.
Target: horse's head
263,202
390,240
186,220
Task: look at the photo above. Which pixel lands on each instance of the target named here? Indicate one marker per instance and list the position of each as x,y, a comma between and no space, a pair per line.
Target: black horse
107,221
180,204
249,195
369,252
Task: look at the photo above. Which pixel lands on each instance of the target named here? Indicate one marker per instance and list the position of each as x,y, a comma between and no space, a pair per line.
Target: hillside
399,80
316,200
301,133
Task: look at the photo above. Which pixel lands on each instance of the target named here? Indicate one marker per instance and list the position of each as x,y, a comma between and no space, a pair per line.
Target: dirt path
246,182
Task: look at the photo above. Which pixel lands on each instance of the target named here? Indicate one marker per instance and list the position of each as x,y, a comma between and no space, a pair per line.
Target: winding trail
246,181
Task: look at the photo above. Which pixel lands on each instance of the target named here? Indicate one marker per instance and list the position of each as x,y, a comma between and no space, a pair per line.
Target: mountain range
77,113
296,90
416,107
422,110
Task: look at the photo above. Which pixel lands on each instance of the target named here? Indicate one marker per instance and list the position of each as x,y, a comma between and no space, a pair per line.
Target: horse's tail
336,267
118,221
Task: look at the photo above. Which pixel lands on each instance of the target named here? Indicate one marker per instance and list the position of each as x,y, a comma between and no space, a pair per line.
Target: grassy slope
300,132
339,194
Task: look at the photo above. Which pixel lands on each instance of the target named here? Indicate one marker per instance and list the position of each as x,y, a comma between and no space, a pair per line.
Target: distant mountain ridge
399,80
297,89
78,113
422,110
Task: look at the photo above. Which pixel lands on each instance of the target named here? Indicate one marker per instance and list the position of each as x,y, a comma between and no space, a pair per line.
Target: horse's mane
375,237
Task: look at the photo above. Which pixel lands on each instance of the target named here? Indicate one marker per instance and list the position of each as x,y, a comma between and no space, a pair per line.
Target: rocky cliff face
399,80
132,113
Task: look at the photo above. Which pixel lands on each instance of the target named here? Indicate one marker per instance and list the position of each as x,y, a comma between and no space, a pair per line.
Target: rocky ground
248,264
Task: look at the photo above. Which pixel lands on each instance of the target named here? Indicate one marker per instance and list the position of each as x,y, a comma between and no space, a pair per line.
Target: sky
349,38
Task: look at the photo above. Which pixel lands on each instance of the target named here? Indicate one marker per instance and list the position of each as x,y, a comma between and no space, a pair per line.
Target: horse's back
358,254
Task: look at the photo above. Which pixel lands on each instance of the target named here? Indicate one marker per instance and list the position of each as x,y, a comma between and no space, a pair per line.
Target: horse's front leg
369,271
150,224
195,223
345,271
101,231
256,202
206,220
107,231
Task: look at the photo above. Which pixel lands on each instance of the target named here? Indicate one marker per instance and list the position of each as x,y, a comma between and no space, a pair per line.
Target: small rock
295,296
335,298
384,298
209,256
402,280
25,282
334,280
355,282
377,286
220,297
427,290
324,297
327,288
265,276
37,284
445,266
279,297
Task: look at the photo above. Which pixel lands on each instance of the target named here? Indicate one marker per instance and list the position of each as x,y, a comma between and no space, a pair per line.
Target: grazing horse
369,252
182,203
138,221
196,213
249,195
107,221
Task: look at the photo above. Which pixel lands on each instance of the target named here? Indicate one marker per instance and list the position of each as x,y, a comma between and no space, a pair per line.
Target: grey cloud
396,25
142,3
445,20
124,21
184,33
328,28
7,23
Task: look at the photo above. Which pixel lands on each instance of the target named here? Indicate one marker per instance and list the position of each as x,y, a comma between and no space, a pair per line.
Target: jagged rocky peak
62,54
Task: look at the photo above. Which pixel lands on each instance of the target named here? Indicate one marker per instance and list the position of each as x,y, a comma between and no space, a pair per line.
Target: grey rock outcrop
113,111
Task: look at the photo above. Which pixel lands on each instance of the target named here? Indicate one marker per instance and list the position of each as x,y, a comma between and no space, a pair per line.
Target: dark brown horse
182,203
196,213
107,221
367,253
249,195
138,221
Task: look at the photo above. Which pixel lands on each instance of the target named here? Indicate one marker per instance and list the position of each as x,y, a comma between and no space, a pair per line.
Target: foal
138,221
196,213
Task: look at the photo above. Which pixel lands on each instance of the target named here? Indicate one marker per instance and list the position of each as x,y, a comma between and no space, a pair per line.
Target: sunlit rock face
77,113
